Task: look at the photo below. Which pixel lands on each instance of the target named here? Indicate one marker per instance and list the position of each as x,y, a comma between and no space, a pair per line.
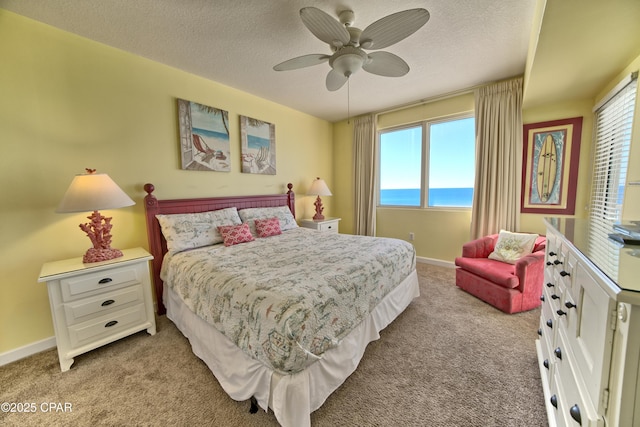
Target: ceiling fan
348,44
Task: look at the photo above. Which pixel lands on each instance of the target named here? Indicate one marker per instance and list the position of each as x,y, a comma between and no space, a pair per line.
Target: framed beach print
550,166
258,140
204,137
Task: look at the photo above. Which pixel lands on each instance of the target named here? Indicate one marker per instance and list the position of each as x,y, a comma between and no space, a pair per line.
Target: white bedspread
285,300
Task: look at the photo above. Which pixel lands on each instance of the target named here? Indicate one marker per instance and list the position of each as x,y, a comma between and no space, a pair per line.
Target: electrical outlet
411,236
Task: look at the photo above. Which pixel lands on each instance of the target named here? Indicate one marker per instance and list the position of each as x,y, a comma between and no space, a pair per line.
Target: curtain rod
427,100
439,97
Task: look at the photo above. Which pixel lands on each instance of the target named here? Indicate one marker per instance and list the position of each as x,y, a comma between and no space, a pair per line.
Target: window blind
613,124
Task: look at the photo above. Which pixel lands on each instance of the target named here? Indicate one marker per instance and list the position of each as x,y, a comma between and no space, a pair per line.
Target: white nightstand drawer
329,226
81,286
105,326
77,311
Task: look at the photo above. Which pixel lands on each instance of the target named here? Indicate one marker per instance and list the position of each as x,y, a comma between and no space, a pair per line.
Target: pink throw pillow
268,227
234,234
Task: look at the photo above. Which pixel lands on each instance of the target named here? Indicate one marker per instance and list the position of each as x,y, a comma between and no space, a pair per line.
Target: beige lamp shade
93,192
319,188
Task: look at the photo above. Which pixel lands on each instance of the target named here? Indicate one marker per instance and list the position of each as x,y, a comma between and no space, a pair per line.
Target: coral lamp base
98,255
319,208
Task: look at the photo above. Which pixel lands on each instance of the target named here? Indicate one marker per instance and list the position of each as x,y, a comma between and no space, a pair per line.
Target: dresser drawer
81,310
107,325
89,284
576,404
557,401
546,350
592,336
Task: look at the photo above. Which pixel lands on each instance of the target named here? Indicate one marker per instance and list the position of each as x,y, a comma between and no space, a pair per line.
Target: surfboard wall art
550,166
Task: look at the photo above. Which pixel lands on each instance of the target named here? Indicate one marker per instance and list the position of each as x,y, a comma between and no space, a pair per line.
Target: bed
280,314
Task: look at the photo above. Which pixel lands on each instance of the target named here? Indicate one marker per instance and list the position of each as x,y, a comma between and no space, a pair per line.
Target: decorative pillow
194,230
268,227
510,247
234,234
287,221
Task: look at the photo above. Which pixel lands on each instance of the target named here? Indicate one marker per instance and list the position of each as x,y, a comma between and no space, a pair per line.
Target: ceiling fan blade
393,28
301,62
385,64
335,80
324,26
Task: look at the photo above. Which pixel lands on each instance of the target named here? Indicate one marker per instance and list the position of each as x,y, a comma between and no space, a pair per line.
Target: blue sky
452,156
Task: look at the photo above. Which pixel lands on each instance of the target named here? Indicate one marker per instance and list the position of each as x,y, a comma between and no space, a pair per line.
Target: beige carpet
448,360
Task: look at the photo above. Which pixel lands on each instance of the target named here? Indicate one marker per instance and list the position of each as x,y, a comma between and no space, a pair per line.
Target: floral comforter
286,299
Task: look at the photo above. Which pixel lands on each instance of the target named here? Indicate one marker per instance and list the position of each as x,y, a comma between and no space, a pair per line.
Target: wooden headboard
153,207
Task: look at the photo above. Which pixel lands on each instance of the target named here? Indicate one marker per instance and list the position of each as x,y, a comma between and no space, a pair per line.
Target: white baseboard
438,262
27,350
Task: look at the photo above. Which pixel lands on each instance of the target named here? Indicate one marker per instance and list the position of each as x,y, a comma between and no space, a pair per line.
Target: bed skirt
291,397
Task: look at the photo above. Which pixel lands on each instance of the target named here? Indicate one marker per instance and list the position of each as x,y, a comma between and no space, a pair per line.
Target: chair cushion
498,272
510,246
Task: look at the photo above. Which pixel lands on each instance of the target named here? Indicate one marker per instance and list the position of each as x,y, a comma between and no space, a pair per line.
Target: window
614,120
429,164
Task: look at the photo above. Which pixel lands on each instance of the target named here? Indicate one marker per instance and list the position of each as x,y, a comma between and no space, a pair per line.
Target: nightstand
328,224
98,303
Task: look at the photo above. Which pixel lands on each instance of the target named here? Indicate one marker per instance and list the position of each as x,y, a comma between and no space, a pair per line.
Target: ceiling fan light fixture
348,60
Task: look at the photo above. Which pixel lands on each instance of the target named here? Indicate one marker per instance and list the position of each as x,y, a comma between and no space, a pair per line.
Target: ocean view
446,197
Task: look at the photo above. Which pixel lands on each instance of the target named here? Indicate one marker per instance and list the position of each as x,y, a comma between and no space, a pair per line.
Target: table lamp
91,192
319,188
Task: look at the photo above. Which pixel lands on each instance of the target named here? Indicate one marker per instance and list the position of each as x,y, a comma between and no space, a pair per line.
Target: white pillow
284,215
194,230
510,246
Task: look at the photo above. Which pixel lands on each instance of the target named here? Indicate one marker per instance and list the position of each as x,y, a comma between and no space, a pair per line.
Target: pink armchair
511,288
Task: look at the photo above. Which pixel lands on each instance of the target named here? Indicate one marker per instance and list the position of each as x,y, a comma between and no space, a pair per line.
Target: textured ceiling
237,43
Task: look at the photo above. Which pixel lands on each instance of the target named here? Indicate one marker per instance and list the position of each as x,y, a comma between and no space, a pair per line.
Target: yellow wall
67,103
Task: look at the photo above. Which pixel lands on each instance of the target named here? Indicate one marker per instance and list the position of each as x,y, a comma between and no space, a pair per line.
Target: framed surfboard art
550,166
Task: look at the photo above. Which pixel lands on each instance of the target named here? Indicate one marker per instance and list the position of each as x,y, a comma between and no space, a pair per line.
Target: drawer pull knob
550,285
557,262
107,302
554,296
564,273
105,280
540,331
575,413
546,363
110,324
561,313
542,298
552,253
550,323
549,263
569,304
558,353
554,401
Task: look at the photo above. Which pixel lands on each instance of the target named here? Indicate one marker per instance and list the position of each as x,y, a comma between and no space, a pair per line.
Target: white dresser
589,337
326,225
95,304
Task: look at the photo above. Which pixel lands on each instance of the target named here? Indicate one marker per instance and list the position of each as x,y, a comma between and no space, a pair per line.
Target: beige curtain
496,202
364,166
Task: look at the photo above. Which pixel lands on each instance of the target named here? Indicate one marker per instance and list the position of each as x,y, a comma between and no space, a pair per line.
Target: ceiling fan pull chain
349,100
